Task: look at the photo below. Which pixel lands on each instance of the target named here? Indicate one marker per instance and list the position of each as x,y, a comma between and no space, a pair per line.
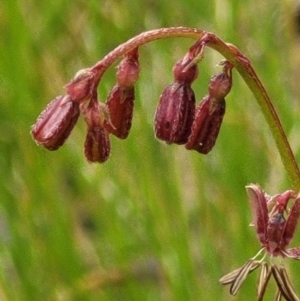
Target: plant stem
242,65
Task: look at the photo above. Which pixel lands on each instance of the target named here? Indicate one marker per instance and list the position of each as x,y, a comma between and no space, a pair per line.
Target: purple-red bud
56,122
210,112
80,87
129,69
206,125
185,75
175,113
120,104
97,143
220,84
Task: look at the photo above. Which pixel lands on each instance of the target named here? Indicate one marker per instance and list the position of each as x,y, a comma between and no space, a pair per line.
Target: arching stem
242,65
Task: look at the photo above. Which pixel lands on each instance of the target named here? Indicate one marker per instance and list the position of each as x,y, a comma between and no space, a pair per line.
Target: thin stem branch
144,38
242,65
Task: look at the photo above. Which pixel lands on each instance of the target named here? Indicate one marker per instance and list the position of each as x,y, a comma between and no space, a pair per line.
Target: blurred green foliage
156,222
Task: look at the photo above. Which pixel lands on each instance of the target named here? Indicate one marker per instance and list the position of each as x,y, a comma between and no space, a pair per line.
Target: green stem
242,65
245,69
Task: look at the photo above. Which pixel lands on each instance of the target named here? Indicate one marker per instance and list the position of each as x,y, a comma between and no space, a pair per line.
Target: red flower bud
80,87
120,104
97,143
174,114
206,125
183,75
55,123
220,84
128,69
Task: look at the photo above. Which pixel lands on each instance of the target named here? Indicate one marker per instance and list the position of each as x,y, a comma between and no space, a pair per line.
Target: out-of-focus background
156,222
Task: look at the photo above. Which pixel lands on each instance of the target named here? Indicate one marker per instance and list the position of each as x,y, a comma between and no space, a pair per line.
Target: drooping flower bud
129,69
206,125
120,101
220,85
56,122
120,104
97,143
210,112
80,87
183,75
174,114
175,111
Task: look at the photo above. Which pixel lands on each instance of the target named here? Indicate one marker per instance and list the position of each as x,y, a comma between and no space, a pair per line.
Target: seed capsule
206,125
175,113
275,228
120,104
55,123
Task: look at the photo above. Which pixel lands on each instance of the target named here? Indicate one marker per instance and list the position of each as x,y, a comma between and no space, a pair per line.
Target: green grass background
156,222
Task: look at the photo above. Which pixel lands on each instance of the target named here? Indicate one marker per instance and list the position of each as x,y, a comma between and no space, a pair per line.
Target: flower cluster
177,118
275,232
56,122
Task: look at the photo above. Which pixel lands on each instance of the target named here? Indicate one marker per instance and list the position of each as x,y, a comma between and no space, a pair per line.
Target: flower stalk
178,120
242,65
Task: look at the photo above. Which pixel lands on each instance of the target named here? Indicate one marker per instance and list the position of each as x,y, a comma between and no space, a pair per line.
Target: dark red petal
55,123
291,223
293,253
206,125
174,114
275,230
259,209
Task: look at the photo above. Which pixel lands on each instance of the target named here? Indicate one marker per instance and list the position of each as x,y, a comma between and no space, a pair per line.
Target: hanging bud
80,87
220,84
174,114
97,143
120,101
206,125
120,104
210,112
129,69
183,75
56,122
